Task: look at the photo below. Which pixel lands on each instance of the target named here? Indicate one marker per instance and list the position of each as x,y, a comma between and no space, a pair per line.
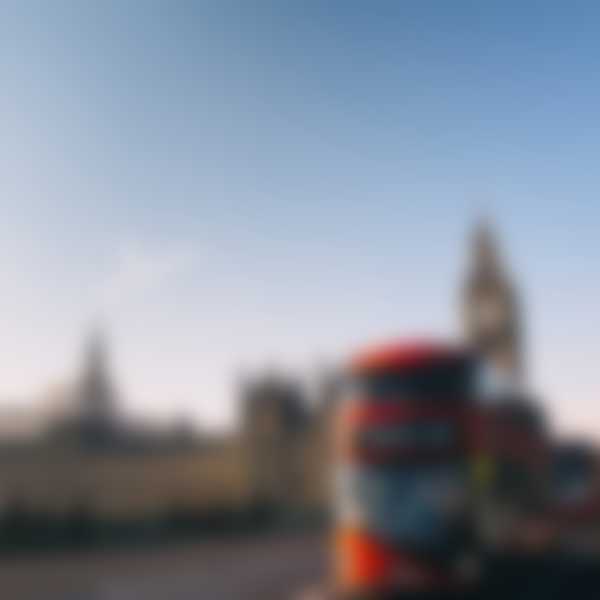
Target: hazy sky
229,185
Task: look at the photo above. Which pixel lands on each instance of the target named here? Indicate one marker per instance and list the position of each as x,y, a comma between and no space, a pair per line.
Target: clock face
490,314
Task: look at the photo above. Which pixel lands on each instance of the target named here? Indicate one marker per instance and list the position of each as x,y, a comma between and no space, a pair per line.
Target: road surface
277,567
265,568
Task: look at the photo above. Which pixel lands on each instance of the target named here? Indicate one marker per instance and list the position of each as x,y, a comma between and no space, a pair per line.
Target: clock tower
490,310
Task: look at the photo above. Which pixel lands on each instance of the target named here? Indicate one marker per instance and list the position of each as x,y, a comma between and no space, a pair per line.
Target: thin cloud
140,269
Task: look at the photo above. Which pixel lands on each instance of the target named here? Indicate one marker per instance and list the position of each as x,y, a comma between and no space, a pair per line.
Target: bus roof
403,355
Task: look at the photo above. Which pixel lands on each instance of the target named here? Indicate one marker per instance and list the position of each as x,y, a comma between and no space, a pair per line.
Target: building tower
273,422
95,394
490,310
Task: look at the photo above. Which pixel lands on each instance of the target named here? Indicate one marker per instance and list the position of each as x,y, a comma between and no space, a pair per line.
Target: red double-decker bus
405,434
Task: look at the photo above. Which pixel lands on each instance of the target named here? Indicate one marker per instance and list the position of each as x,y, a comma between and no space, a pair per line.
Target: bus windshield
419,505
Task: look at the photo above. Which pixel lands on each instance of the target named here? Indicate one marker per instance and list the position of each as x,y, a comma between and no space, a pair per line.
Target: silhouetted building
96,398
491,317
90,418
274,425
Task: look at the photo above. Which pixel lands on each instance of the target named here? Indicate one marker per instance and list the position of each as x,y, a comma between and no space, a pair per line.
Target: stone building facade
277,459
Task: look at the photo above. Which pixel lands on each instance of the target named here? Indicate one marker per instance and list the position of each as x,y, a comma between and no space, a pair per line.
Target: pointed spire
485,254
491,317
96,395
95,353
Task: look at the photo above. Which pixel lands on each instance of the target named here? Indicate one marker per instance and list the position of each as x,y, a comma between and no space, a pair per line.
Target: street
275,567
264,568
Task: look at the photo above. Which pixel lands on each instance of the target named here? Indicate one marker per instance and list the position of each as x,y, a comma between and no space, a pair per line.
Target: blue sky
228,185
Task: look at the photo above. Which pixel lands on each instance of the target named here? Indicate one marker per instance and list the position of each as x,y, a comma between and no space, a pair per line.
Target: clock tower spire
490,309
